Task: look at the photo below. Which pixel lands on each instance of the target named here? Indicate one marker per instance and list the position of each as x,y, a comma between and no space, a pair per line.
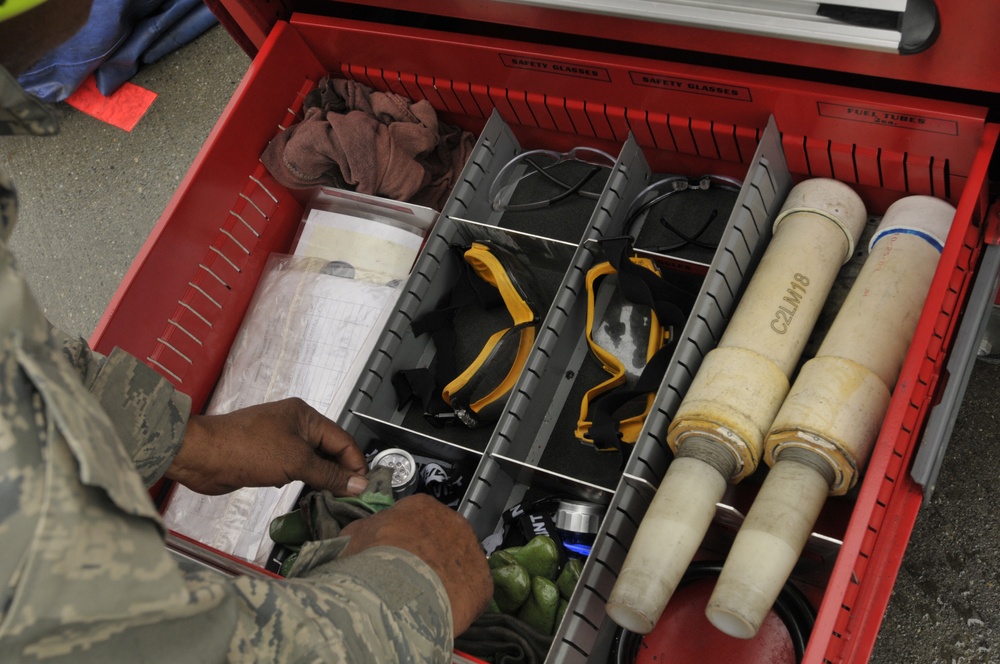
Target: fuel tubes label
879,116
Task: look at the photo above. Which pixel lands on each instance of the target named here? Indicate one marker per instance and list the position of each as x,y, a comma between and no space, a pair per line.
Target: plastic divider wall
494,147
586,631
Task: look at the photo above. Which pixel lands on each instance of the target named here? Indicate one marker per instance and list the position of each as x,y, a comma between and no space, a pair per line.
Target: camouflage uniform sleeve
23,114
148,414
381,605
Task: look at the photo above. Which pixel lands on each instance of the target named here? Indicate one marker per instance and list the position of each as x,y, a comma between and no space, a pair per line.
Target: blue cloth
194,23
124,62
112,44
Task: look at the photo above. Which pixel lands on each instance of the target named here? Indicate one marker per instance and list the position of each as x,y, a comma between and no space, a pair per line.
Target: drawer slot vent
668,132
591,119
205,300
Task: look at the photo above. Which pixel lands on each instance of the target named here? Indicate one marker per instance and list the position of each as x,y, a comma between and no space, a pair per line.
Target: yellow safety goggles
624,340
477,395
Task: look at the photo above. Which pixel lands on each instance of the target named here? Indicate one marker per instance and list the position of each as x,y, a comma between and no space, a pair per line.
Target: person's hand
268,445
440,537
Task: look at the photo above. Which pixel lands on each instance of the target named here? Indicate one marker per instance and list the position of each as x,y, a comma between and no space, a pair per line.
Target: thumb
323,474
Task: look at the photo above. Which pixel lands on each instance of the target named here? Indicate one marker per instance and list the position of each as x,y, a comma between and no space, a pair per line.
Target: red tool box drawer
181,304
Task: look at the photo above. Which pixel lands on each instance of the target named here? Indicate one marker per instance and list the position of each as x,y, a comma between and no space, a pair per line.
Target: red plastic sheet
123,109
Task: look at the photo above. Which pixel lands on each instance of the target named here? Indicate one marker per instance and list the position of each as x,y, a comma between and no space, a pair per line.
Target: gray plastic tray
513,459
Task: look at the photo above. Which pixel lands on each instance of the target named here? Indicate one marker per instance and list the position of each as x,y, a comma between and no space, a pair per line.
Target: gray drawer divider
586,632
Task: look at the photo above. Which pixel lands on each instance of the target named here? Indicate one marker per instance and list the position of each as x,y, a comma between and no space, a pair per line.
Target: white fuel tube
718,432
823,433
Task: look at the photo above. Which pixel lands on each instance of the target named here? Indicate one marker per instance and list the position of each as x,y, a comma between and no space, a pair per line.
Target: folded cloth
326,514
380,143
503,639
321,516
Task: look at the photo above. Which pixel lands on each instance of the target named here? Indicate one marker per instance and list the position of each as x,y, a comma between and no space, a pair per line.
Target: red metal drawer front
870,139
183,299
887,505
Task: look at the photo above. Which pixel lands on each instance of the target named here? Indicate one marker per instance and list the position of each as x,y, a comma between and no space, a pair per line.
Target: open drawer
181,304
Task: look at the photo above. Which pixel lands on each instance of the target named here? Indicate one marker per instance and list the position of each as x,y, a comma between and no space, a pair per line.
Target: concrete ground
91,196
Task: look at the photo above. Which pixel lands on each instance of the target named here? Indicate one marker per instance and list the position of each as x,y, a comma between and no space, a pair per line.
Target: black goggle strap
510,277
422,384
643,286
490,276
639,285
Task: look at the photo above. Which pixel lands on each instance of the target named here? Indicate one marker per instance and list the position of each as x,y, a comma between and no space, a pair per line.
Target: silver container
578,517
404,470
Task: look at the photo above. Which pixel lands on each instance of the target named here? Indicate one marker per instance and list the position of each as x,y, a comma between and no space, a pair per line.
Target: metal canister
574,516
404,470
578,523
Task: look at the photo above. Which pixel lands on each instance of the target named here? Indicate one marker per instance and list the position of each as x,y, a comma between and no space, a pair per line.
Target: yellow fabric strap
492,271
629,427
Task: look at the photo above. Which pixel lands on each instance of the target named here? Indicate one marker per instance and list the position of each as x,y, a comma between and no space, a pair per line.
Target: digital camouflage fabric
84,574
20,113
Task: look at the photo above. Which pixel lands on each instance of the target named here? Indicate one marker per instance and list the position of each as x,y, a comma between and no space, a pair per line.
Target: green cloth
321,515
503,639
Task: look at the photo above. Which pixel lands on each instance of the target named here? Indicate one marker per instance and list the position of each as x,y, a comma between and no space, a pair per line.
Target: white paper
300,339
370,250
309,331
307,334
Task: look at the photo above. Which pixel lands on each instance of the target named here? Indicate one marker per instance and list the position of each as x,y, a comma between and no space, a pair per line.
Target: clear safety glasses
679,235
537,179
